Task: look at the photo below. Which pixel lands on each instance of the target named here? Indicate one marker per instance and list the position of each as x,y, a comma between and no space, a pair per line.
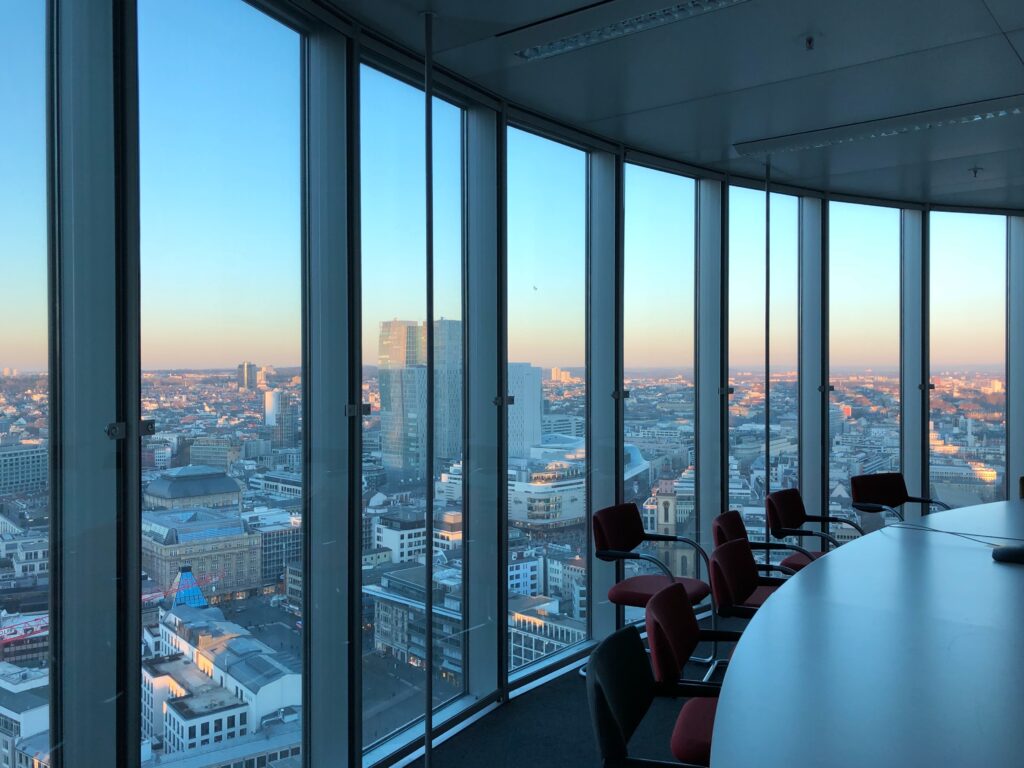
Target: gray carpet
550,726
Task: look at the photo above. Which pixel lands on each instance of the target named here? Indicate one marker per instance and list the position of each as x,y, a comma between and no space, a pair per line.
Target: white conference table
900,648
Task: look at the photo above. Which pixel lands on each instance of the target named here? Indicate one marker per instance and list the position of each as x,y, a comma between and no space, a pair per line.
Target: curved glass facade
390,382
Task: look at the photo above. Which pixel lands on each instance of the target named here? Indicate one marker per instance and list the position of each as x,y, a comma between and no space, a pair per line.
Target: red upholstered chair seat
798,560
637,590
758,596
691,737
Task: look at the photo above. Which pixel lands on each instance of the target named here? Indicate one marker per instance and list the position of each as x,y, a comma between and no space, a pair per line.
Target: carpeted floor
550,726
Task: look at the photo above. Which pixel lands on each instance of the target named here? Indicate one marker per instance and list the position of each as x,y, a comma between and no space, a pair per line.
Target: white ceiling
691,90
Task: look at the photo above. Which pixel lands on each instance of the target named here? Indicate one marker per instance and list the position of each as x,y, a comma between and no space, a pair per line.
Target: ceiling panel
692,89
705,130
736,48
1008,13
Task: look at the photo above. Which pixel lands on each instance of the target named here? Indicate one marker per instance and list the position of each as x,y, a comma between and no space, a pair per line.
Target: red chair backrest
784,509
672,632
728,526
888,488
733,573
619,527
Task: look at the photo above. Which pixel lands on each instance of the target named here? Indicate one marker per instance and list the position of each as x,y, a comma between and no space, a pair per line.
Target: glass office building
315,361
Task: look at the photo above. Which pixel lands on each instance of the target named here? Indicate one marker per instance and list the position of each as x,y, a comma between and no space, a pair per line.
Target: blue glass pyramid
185,589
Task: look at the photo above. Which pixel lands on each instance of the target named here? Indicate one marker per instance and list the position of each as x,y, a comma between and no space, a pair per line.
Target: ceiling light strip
630,26
962,114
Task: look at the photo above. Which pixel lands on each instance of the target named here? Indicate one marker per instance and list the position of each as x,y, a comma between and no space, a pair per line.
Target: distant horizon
990,369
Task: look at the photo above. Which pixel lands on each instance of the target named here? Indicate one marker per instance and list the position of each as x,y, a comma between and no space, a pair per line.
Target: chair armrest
721,635
783,547
618,554
768,568
770,581
929,502
799,532
830,520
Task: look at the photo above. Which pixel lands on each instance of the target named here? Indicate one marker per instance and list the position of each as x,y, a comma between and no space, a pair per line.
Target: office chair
737,587
729,526
786,516
618,531
620,689
884,491
673,634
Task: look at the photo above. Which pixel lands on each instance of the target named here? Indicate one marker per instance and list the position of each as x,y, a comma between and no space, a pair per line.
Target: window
405,486
547,493
220,91
659,417
967,331
24,335
763,334
864,274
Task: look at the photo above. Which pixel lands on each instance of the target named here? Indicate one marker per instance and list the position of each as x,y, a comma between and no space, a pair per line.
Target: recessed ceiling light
962,114
630,26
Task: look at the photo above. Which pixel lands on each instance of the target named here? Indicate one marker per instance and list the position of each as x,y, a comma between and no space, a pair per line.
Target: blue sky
23,291
220,161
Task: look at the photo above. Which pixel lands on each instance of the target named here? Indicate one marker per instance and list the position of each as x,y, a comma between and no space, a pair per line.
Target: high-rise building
447,394
286,422
247,375
524,415
271,406
403,399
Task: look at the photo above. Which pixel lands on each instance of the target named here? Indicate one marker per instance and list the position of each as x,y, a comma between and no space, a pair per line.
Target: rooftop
207,702
180,526
192,481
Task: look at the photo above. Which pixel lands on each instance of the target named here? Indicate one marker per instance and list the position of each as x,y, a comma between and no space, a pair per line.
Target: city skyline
246,225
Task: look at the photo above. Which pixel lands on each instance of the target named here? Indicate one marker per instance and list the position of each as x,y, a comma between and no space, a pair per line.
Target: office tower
447,394
403,399
247,375
286,422
272,400
524,415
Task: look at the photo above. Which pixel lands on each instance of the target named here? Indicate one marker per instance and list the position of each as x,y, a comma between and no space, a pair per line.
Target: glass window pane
967,438
747,297
447,479
658,357
398,482
221,294
24,384
784,337
754,467
864,273
547,486
395,472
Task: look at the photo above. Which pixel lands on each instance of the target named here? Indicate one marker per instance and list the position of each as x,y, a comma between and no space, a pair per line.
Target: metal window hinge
928,386
117,430
507,400
147,427
358,409
620,394
826,388
726,390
